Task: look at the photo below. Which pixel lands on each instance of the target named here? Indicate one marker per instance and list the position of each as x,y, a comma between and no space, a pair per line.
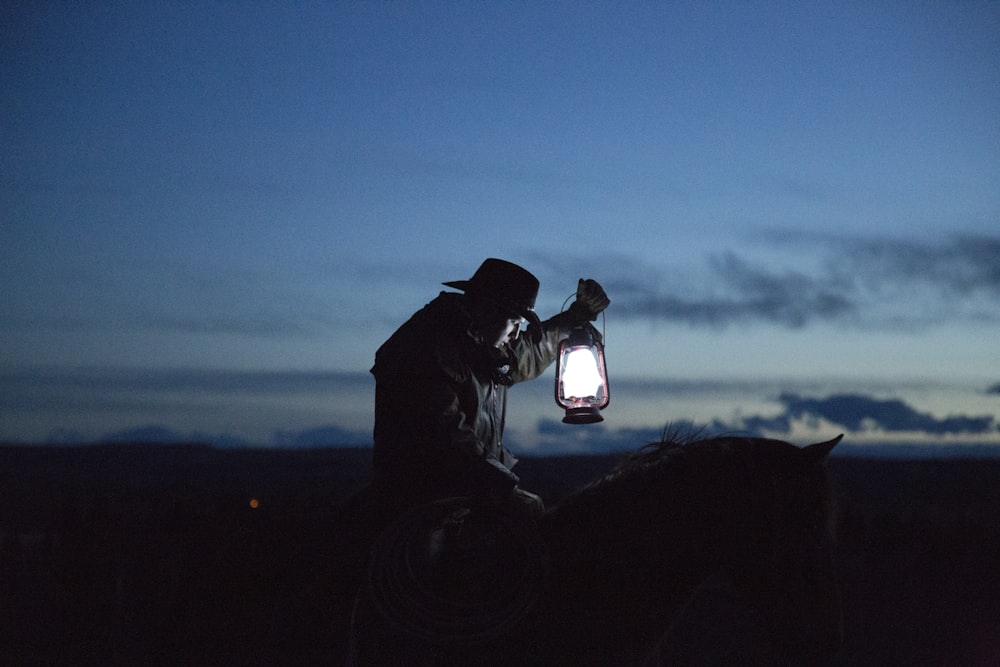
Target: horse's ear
817,453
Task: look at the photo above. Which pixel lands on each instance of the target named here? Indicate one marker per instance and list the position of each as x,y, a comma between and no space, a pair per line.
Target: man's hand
591,300
528,502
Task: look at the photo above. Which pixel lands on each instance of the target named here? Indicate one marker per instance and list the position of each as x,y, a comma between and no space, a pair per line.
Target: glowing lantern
581,377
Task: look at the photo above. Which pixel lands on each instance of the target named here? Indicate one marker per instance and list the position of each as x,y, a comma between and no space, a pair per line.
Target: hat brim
526,313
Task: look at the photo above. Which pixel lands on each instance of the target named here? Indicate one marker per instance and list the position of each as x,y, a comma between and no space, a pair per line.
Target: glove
527,502
591,301
493,479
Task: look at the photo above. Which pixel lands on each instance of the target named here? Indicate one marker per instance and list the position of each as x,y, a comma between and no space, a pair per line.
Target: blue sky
213,213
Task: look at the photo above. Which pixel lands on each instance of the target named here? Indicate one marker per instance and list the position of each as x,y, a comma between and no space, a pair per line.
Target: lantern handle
566,301
604,321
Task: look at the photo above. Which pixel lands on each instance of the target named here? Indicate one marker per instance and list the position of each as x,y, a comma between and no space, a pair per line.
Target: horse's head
783,560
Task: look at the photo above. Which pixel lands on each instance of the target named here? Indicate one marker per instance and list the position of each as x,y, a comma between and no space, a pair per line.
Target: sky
212,214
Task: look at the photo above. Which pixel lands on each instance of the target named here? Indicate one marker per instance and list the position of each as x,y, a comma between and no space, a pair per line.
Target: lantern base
582,416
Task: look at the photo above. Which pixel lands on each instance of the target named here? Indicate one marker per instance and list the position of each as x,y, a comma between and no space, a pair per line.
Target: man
441,387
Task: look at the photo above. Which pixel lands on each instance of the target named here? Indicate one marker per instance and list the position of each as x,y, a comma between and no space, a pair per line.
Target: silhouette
720,536
441,382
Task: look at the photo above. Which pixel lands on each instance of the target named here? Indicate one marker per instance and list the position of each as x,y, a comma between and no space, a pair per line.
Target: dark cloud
322,436
747,293
995,389
851,280
556,437
62,380
850,412
64,398
959,265
264,325
860,413
757,424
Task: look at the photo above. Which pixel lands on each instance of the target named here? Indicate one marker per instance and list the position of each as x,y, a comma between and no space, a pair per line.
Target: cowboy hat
505,284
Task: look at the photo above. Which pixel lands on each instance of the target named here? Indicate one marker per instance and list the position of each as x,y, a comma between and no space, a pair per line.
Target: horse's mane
675,442
684,451
672,439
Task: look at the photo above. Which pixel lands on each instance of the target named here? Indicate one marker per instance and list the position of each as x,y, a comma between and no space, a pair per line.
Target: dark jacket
441,400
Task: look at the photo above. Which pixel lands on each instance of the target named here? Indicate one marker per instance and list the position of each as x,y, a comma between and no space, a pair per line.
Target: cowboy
441,387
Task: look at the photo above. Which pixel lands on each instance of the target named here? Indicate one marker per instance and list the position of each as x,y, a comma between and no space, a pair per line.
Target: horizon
157,437
270,408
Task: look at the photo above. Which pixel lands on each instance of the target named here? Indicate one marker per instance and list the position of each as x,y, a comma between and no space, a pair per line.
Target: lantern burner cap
585,415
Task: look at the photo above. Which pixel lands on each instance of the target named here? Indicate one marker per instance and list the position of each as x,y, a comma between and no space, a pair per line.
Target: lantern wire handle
604,321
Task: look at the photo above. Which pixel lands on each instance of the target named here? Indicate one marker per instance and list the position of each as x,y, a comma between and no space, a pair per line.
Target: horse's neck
689,539
626,568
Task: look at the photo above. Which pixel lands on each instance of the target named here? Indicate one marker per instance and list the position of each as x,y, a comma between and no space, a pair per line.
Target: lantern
581,377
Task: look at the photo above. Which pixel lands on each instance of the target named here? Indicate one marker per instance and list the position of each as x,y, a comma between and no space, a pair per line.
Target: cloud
748,293
849,412
552,437
960,265
96,380
63,404
322,436
864,282
863,413
89,405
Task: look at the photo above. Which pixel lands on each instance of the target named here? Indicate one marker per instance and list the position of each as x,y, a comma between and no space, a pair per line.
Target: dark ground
152,554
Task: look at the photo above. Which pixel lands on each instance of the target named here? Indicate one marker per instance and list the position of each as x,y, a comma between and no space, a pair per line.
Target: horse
657,562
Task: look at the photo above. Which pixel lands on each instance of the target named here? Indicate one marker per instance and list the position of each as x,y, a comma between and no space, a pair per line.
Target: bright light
580,377
254,503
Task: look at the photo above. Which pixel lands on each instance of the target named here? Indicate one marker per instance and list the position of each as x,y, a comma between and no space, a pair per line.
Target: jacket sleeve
456,439
536,350
421,425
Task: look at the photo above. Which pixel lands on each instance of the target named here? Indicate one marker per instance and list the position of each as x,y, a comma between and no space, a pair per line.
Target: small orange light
254,503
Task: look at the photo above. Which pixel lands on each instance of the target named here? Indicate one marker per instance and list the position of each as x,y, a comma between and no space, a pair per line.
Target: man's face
500,330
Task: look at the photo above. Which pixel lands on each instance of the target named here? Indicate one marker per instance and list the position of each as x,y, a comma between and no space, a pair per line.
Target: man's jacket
441,400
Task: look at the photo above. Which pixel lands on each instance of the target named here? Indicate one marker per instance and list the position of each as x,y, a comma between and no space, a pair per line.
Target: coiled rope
457,570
